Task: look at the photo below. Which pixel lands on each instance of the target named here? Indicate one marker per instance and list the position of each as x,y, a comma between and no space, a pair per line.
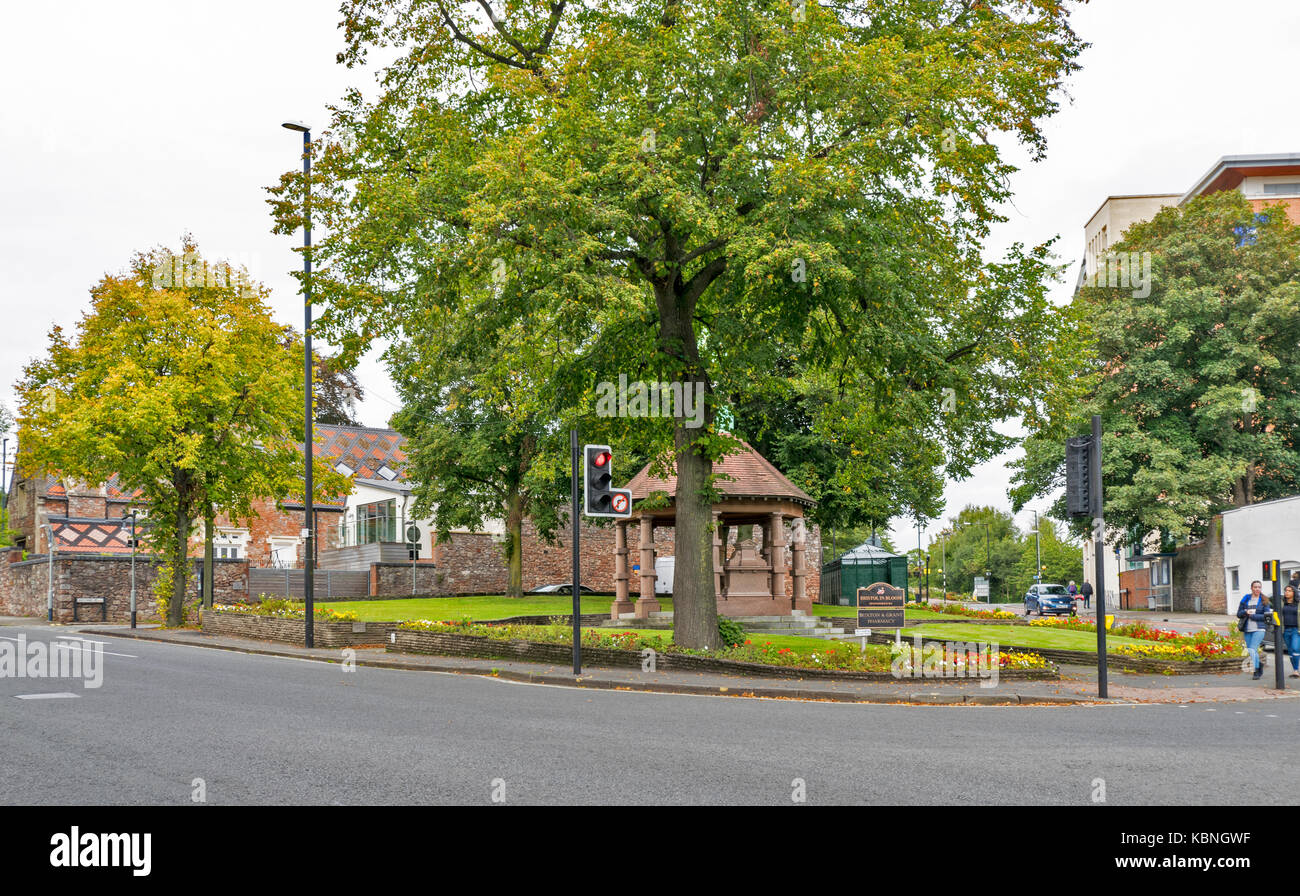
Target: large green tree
699,191
179,382
1196,382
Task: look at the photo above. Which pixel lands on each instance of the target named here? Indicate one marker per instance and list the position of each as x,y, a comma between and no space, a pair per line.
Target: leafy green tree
178,381
1062,559
1195,382
700,190
983,541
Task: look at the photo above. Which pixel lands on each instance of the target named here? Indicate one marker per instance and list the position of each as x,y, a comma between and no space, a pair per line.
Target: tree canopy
777,197
1195,382
180,383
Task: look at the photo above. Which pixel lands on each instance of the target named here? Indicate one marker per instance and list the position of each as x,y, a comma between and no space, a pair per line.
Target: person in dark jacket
1254,609
1291,627
1085,591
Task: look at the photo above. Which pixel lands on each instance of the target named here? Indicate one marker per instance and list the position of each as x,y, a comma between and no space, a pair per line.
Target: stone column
646,602
776,555
621,603
717,556
799,572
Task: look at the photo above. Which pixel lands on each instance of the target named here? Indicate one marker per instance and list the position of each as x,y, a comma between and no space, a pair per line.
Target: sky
125,125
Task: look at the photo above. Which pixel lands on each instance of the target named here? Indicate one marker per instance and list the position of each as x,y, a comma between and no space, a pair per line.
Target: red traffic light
601,459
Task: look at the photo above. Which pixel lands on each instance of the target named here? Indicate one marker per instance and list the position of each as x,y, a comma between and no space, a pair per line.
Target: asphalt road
269,730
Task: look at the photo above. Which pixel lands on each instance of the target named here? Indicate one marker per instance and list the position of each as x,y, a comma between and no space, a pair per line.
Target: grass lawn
481,607
1019,636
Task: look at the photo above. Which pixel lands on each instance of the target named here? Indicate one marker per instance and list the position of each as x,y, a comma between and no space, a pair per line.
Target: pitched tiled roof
364,449
752,476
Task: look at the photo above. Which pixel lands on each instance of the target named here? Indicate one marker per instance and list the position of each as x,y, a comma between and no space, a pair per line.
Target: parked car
563,588
1048,599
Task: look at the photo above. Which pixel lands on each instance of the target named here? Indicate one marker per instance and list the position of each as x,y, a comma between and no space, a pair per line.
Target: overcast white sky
124,125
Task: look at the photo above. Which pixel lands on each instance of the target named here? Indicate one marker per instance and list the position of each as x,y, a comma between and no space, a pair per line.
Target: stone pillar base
645,606
619,607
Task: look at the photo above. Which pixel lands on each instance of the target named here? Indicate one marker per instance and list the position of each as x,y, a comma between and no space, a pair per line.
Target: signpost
880,606
981,588
413,548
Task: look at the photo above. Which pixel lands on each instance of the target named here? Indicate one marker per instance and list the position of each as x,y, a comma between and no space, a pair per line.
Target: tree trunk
180,567
514,542
695,608
209,522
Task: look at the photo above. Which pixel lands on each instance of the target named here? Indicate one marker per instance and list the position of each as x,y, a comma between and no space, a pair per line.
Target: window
376,522
1236,579
1291,189
387,472
343,469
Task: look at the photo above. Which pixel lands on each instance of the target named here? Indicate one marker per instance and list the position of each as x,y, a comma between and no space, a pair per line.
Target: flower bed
329,629
960,610
626,649
1165,643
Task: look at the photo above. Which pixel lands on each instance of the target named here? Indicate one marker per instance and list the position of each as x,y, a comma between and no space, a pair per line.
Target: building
1269,530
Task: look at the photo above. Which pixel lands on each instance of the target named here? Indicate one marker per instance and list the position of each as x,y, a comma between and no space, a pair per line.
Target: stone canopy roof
751,476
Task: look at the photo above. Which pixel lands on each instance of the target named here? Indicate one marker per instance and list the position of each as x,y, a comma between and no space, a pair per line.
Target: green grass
1019,636
483,607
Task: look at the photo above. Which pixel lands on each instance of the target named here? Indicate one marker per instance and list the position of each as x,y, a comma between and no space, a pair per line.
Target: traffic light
1271,572
1078,476
598,476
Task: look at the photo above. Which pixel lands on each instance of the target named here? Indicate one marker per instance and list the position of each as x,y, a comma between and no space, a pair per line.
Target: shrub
731,632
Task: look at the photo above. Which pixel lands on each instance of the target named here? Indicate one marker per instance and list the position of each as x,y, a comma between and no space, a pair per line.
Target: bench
103,606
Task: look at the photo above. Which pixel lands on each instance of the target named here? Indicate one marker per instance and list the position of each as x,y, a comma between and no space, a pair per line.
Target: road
270,730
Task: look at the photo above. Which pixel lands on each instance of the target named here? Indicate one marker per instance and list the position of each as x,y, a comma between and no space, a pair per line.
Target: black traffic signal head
1078,476
600,499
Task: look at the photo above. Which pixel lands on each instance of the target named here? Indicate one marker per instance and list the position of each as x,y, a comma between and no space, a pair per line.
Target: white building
1253,534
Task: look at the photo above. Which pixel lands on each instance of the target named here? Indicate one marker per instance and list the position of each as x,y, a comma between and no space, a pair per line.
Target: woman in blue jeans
1291,628
1254,609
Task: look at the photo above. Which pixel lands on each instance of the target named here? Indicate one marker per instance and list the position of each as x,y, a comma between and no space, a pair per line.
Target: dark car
1048,600
564,588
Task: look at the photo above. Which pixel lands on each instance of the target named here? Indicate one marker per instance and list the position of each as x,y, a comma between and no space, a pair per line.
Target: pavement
1078,684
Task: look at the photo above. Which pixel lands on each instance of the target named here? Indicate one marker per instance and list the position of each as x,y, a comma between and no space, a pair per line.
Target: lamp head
296,126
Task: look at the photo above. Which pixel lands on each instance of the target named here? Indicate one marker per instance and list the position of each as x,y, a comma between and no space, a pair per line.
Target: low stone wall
24,585
294,631
1115,661
394,580
449,644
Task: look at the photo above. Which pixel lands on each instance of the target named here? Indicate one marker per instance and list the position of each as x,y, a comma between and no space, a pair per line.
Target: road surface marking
45,696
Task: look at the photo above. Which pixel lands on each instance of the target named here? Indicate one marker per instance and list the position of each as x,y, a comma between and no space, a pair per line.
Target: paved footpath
1078,684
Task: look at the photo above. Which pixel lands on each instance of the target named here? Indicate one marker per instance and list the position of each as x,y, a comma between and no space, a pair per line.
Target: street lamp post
1038,552
309,524
132,515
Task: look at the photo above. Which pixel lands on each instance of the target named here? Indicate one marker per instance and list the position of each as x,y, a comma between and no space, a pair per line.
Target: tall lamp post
309,528
132,515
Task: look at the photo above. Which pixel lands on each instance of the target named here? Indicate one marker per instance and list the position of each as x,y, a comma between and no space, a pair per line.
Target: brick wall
547,563
1134,588
1198,574
471,564
23,586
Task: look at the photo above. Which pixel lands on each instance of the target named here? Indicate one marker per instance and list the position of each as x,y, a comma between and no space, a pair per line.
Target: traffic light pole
1099,533
577,574
1277,626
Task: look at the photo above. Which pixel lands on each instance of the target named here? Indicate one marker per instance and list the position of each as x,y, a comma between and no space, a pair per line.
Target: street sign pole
1277,625
1099,532
577,585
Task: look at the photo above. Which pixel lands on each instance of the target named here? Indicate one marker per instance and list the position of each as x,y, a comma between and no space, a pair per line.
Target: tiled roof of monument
751,476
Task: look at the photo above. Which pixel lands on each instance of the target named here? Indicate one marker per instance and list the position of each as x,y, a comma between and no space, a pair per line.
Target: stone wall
294,631
394,580
550,563
470,564
1198,574
23,585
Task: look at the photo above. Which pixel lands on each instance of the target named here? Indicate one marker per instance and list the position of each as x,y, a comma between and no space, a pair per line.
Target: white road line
72,646
46,696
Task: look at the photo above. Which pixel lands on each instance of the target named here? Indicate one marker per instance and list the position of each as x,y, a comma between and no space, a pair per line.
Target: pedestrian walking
1085,590
1291,627
1073,590
1253,616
